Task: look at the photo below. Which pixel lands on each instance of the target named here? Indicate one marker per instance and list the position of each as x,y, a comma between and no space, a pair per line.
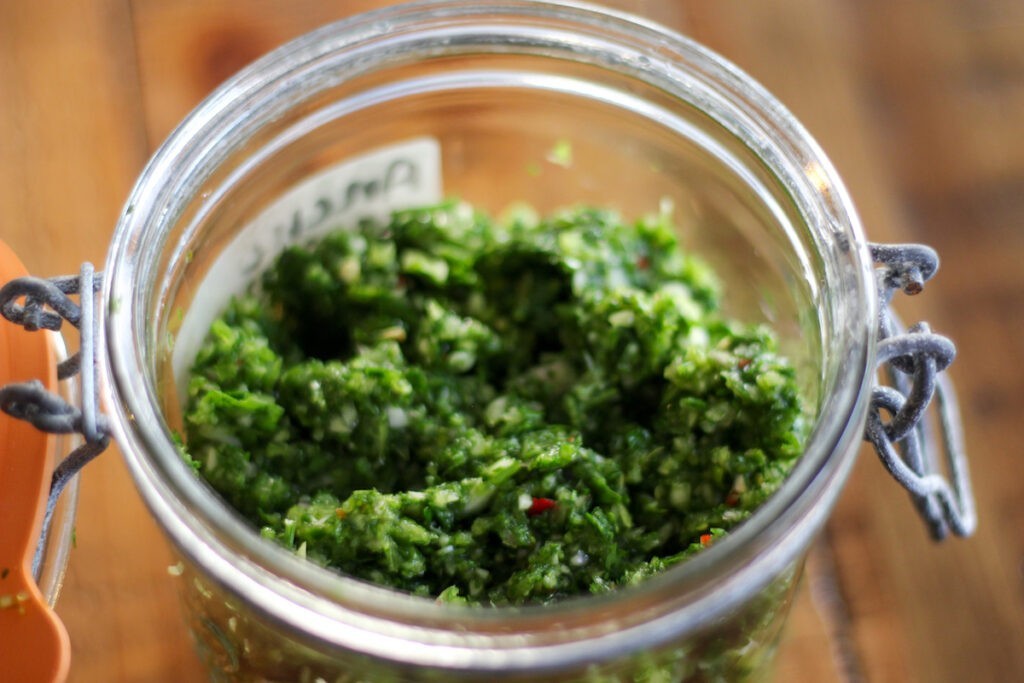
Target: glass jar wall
496,103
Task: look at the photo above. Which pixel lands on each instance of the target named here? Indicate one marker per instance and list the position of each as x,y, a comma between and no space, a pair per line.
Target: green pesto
494,412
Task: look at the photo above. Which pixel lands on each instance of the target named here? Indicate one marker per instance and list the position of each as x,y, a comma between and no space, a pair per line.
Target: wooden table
920,103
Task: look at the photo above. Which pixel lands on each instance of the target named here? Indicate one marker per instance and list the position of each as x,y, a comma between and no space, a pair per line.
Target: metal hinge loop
912,362
47,305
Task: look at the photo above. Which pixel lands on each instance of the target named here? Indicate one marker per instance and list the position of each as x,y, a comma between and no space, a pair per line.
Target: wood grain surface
919,103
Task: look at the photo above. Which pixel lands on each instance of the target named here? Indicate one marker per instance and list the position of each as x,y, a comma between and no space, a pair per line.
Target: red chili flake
705,539
733,499
643,263
744,363
340,513
539,505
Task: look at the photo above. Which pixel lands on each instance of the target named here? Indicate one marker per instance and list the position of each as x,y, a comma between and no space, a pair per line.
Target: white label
399,176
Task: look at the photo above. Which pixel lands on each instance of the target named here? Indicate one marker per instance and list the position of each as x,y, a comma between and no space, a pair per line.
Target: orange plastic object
34,645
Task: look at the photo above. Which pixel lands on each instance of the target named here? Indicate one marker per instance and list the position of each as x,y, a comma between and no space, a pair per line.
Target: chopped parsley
492,411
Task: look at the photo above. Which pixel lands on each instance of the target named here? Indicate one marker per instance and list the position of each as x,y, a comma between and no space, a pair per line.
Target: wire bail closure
47,411
912,361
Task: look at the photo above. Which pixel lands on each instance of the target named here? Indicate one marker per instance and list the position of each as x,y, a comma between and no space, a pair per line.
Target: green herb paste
494,412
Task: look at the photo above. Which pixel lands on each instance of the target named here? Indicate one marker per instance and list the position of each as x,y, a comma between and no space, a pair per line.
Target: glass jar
493,101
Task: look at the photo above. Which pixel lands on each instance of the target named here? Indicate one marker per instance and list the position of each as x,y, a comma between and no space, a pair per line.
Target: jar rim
234,555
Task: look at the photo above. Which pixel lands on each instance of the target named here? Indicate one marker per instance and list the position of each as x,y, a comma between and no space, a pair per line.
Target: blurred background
920,105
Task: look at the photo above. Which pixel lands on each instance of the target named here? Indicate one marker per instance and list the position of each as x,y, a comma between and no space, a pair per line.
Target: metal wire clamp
912,361
30,401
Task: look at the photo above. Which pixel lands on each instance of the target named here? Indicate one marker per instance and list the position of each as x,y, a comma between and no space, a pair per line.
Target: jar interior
510,135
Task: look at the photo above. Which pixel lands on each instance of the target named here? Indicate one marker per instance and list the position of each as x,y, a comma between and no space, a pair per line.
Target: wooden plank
814,644
917,104
188,47
948,78
71,143
951,93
